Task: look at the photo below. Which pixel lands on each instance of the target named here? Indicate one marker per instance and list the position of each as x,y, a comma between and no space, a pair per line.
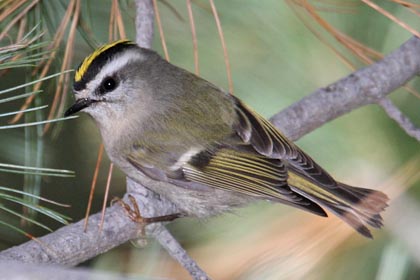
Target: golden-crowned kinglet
200,147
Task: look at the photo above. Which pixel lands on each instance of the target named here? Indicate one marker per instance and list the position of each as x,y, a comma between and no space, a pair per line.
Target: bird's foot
133,212
135,215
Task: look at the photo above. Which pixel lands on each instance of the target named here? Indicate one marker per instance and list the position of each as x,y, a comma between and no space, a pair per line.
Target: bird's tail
358,207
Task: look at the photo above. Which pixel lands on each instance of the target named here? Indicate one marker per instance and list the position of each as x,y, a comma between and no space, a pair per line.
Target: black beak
79,105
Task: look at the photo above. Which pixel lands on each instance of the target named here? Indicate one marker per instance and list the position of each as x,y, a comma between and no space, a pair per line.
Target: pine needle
159,24
93,185
194,37
222,41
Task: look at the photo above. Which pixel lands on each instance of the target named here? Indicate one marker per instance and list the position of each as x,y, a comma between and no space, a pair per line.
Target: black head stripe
93,64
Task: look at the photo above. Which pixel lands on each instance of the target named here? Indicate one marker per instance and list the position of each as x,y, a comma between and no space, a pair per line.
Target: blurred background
279,52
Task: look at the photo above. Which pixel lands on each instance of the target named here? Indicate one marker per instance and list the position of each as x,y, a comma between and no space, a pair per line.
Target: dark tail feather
302,202
358,207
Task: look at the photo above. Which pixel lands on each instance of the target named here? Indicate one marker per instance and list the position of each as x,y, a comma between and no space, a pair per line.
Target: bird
201,147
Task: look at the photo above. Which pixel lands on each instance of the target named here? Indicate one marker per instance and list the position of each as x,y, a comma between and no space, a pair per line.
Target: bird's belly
199,203
194,202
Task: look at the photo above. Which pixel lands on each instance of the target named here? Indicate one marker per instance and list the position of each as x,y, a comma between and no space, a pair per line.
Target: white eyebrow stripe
113,66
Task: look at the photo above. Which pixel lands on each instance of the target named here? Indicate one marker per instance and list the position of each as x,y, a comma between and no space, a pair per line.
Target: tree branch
148,200
153,205
363,87
18,271
145,18
70,246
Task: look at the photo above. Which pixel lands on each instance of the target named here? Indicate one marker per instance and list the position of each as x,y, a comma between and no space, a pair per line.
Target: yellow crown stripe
89,59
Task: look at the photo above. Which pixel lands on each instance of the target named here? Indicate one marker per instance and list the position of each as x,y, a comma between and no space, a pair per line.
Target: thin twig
403,121
172,246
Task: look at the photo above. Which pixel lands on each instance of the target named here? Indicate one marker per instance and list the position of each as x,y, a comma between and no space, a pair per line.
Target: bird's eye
108,84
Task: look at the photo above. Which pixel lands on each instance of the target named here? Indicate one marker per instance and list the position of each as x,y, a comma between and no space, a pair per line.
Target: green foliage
25,54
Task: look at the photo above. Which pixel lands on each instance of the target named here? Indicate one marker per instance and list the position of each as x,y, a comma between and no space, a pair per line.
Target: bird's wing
269,141
240,170
248,173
